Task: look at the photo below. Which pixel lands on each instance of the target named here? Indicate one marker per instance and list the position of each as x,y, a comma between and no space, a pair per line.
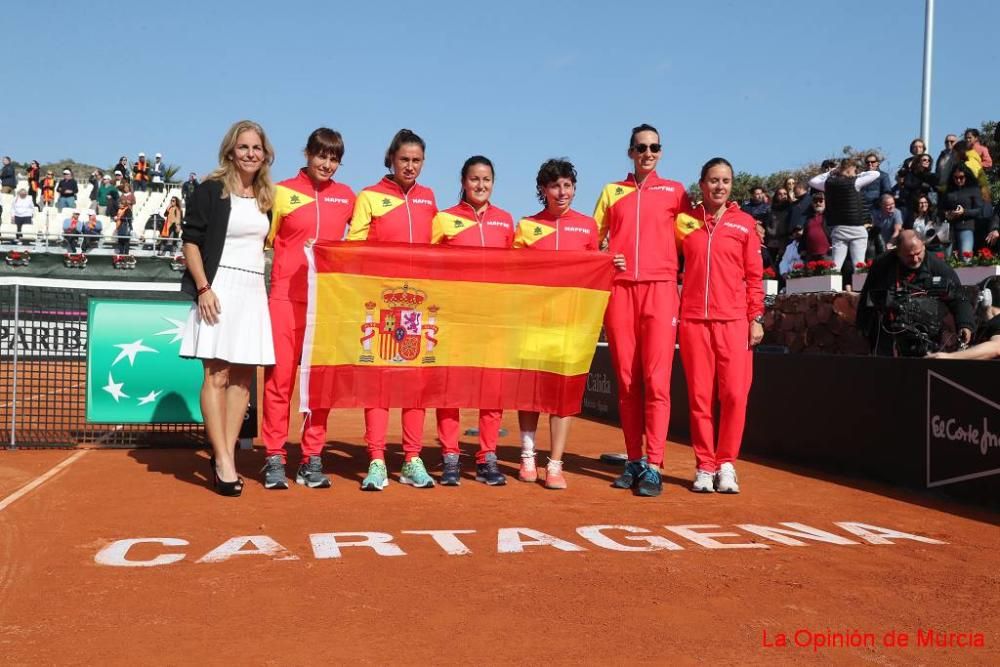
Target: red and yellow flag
399,325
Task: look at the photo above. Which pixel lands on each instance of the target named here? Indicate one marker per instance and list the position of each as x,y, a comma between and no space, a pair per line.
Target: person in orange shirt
308,207
396,209
474,221
556,227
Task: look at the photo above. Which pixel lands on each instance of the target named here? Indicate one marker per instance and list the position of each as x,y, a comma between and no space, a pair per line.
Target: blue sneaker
377,477
489,472
650,484
633,471
451,475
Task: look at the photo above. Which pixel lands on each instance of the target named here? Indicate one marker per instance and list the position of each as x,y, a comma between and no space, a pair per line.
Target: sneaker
704,482
377,477
554,477
452,473
311,474
528,471
649,484
633,471
725,479
489,472
274,473
415,474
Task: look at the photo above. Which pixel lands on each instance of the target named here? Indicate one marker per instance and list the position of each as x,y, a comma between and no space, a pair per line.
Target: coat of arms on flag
400,328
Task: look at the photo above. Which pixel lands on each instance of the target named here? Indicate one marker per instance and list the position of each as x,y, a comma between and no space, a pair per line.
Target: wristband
202,290
759,319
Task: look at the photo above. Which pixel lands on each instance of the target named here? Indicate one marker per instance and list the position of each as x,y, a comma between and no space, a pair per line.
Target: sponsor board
963,433
44,336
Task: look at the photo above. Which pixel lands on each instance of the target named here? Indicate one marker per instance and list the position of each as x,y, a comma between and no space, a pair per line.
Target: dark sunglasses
871,161
641,148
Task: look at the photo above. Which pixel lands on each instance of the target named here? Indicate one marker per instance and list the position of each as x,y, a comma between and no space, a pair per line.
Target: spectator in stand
964,208
124,167
103,191
189,185
157,173
947,159
789,186
776,225
67,191
988,339
91,232
757,206
123,220
22,212
814,239
799,211
973,144
8,177
976,161
119,178
936,233
872,193
918,180
171,229
917,147
48,189
888,221
140,174
34,182
72,229
845,210
95,186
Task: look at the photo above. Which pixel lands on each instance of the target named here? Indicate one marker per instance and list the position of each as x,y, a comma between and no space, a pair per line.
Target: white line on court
38,481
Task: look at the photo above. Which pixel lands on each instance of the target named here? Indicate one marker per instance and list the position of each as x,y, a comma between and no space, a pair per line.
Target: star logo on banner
177,332
130,350
115,388
150,397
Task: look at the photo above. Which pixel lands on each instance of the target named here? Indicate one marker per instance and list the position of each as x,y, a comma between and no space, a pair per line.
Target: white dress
243,333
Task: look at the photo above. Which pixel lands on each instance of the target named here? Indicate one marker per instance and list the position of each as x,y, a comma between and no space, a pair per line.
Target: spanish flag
400,325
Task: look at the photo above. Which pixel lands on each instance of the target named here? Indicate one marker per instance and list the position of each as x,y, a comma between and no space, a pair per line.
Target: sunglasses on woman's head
641,148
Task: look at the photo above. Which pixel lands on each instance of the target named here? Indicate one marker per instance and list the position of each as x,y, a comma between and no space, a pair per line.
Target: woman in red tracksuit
556,227
722,307
308,207
396,209
478,223
637,215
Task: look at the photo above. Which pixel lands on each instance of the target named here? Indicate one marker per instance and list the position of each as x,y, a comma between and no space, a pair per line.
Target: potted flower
974,268
820,275
18,258
770,282
861,270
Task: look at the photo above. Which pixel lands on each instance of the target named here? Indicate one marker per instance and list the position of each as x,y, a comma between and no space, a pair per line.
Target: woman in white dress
228,328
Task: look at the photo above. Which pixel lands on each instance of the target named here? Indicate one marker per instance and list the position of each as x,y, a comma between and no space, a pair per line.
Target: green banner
134,375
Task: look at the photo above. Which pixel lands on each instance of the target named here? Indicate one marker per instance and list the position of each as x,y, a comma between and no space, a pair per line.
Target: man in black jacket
904,300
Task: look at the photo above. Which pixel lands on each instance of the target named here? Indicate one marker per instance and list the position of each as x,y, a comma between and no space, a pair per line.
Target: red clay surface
689,606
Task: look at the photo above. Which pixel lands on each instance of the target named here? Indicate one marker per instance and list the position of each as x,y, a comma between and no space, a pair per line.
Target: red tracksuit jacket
723,270
639,221
302,213
570,231
384,212
462,225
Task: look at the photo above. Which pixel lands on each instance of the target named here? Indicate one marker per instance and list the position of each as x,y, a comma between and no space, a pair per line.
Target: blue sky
767,84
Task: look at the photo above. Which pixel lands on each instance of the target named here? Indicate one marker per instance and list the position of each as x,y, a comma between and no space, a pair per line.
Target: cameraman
901,306
988,346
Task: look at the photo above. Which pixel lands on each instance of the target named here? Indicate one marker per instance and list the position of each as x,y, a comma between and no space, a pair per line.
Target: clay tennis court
500,595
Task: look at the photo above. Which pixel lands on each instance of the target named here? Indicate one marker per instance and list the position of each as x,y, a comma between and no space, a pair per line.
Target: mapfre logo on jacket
385,213
463,225
570,231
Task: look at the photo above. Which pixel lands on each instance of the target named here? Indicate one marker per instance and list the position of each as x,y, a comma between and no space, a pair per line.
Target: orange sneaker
554,477
528,471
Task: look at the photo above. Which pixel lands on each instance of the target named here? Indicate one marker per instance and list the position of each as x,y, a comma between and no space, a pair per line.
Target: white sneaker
703,482
725,479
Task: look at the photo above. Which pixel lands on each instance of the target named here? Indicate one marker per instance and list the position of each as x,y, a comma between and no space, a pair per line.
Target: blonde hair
263,188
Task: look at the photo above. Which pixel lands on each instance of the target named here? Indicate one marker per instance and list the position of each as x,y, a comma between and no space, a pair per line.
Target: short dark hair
645,127
402,137
714,162
828,164
550,172
469,164
973,131
324,141
757,186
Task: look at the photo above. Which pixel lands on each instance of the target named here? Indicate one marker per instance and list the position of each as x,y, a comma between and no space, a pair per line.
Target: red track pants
718,363
288,326
377,423
489,431
641,323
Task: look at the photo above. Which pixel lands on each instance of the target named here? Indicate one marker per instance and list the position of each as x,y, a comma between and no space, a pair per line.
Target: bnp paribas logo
134,373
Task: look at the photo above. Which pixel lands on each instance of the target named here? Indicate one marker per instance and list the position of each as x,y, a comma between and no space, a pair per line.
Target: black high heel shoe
231,489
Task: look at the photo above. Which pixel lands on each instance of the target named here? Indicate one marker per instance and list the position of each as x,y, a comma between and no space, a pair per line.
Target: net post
13,403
